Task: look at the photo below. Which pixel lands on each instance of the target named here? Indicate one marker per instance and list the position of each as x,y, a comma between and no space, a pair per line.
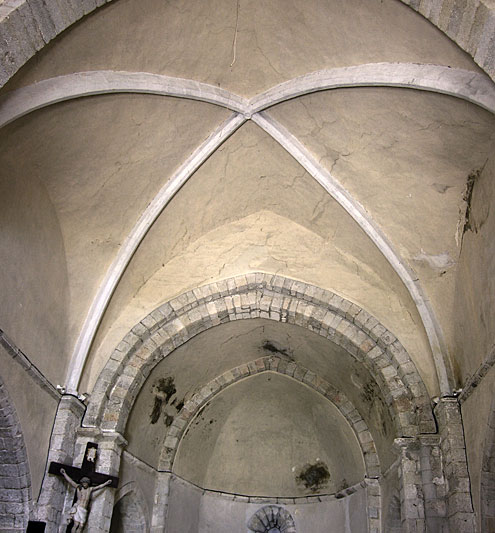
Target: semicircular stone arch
259,295
15,481
28,26
286,368
271,518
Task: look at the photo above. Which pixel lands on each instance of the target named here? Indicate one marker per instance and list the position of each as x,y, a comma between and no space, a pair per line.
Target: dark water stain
178,405
157,410
166,387
314,476
270,347
163,389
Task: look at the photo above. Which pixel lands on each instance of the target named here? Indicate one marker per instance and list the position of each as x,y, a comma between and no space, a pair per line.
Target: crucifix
86,481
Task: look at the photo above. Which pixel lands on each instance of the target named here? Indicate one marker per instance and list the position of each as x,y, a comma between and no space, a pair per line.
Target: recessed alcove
270,435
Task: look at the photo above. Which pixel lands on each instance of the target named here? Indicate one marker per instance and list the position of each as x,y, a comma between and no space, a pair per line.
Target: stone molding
259,295
276,365
26,26
465,84
473,381
32,371
280,500
15,479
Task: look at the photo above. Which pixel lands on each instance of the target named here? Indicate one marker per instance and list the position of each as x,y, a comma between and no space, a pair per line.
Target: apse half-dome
269,435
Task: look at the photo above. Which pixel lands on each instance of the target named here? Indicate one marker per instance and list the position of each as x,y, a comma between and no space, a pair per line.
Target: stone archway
15,481
271,519
270,364
260,295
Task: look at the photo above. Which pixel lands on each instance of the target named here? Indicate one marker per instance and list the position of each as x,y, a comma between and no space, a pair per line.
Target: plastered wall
33,275
191,511
475,317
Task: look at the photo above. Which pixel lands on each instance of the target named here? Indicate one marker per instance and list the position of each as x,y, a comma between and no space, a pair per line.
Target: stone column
373,496
434,484
410,483
110,446
160,503
460,511
54,490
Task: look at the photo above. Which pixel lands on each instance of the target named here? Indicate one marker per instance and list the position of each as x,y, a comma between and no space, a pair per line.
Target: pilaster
460,511
62,449
160,504
410,483
110,446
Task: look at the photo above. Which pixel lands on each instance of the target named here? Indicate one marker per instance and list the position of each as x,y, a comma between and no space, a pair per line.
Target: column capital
102,436
406,443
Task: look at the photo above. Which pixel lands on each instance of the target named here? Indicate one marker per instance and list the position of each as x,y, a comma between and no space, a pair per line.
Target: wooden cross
88,469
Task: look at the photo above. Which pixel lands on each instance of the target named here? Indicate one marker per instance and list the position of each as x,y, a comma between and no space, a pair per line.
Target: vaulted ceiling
357,189
157,146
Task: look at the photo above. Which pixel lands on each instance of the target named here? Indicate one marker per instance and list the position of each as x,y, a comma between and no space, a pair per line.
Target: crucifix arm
68,478
107,482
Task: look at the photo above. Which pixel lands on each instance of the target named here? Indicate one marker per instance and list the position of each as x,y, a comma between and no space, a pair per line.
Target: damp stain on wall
163,389
271,347
314,476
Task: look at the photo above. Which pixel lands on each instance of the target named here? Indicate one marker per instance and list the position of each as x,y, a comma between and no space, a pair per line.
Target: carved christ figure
79,511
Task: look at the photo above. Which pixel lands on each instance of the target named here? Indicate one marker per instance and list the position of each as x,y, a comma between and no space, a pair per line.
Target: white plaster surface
475,411
196,40
475,281
34,283
190,511
251,173
98,164
399,158
259,434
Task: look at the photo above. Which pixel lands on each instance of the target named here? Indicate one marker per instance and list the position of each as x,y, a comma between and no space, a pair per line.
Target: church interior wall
475,284
194,510
36,411
477,412
75,177
33,278
475,321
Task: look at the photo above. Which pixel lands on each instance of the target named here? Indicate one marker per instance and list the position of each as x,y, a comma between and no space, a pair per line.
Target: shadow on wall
128,515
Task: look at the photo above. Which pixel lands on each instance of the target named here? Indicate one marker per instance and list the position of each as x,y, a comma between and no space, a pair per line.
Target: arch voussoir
259,295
